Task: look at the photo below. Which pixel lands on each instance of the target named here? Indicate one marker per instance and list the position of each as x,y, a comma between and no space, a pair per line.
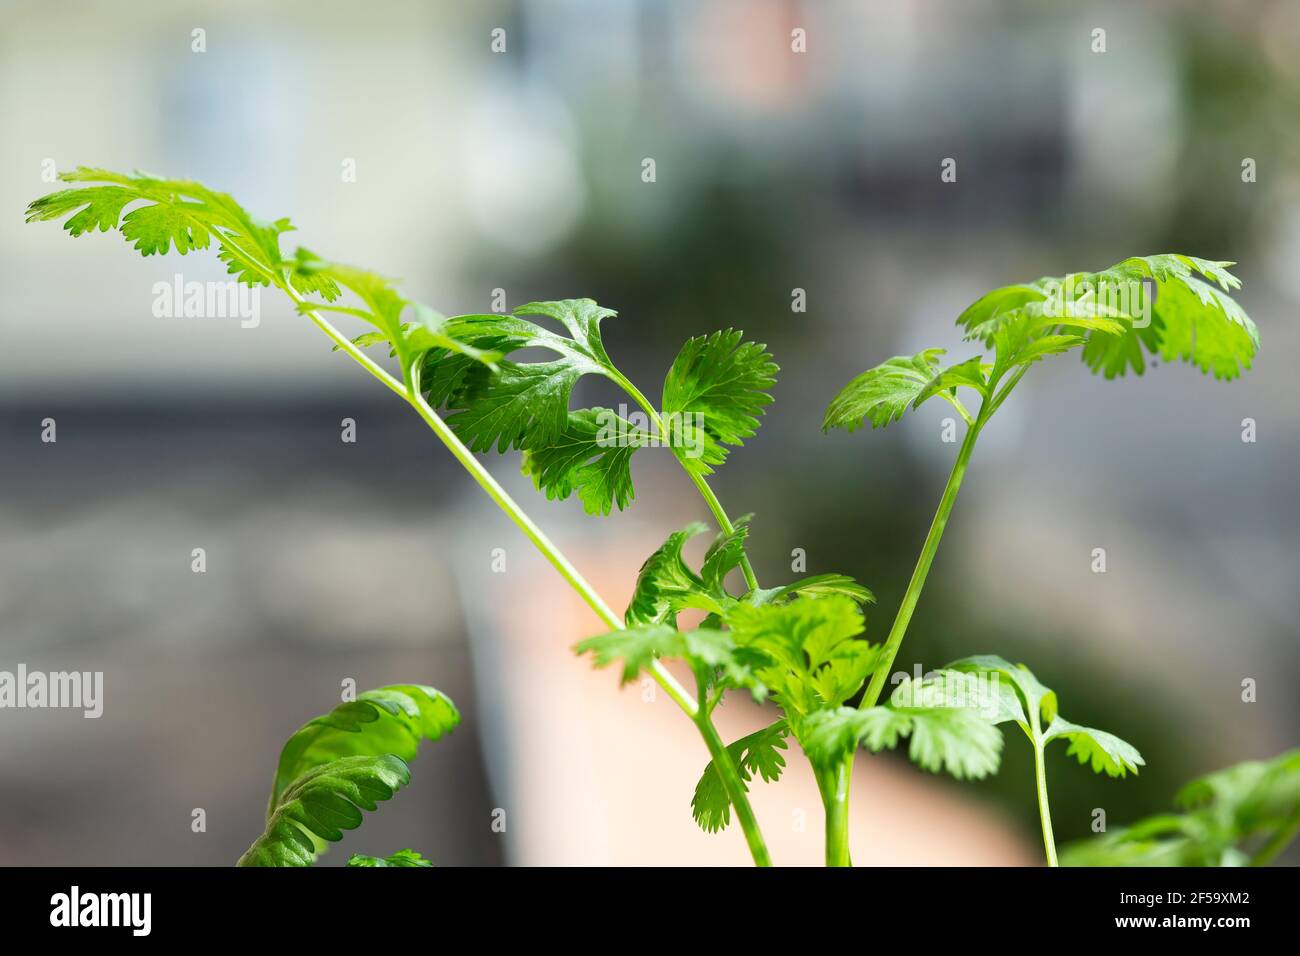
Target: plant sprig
802,644
460,364
1155,306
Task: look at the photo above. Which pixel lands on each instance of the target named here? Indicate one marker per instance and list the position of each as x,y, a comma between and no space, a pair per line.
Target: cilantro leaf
945,733
593,456
758,753
972,373
818,585
168,214
714,393
881,394
393,719
321,804
1190,320
1029,696
1096,747
724,555
711,654
636,646
666,584
516,404
386,309
815,660
1034,706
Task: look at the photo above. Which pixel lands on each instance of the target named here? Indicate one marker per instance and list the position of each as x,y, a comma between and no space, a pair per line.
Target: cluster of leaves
166,214
343,762
1022,698
800,645
1243,814
947,728
712,398
1164,311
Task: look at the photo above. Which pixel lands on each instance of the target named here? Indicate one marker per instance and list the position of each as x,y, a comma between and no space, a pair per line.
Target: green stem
837,818
1044,809
680,696
928,551
836,798
735,788
1277,843
710,499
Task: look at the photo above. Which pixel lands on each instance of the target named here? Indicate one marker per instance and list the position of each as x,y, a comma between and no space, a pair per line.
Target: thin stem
711,499
928,551
838,816
735,787
1012,382
1044,809
721,758
1278,842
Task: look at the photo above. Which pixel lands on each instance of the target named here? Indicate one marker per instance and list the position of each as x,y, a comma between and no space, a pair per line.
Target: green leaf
881,395
581,318
1102,750
154,229
388,720
96,207
943,735
1096,747
172,213
715,392
185,215
971,373
757,754
637,647
718,662
815,661
1030,694
711,654
818,585
724,555
524,405
306,279
592,456
1190,320
519,405
666,585
401,858
385,308
321,804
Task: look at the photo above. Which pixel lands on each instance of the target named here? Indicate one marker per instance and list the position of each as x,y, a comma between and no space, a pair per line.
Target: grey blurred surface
321,567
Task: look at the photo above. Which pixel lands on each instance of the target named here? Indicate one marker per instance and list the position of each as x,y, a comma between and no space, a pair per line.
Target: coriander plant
798,644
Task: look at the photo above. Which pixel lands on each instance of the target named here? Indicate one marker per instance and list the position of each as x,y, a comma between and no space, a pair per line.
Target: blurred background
521,171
